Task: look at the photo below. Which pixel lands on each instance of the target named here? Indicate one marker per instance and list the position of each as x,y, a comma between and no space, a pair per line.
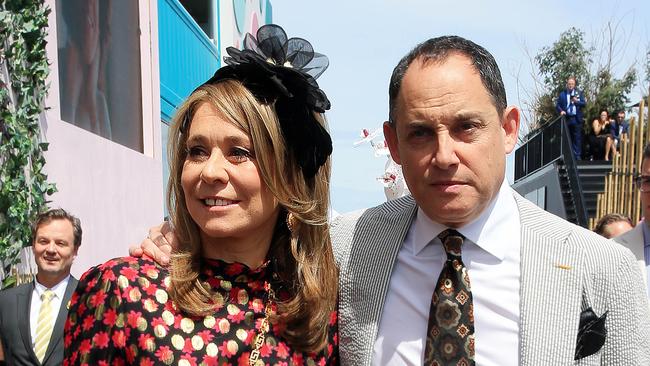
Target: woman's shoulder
125,270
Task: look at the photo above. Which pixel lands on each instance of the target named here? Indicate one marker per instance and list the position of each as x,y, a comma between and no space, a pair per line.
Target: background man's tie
44,325
450,334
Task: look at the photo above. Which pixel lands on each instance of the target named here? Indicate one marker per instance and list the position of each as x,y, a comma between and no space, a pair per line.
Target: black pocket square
591,333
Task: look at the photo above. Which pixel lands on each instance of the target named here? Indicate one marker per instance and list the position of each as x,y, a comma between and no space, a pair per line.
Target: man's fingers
168,235
135,251
160,253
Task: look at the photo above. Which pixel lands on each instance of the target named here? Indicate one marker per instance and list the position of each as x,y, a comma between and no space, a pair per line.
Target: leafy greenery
569,56
24,69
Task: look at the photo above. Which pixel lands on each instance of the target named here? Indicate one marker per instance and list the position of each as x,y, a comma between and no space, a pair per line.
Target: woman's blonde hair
304,259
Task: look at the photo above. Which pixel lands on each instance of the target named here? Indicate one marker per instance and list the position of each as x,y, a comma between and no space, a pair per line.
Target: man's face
571,84
450,140
645,196
620,117
54,249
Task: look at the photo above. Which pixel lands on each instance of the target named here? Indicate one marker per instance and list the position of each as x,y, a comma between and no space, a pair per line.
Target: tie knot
47,295
452,240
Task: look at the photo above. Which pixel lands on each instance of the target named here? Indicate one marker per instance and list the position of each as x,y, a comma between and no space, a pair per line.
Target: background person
569,104
601,139
638,239
622,129
612,225
253,280
32,315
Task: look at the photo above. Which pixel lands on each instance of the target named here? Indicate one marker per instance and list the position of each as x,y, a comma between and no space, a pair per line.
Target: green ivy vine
23,72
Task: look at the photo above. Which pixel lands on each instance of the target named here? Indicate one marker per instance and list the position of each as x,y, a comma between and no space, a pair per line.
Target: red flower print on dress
110,316
119,339
88,322
164,353
143,330
132,318
101,339
130,273
98,299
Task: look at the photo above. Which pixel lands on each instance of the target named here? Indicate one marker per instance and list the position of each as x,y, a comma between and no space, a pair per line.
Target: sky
364,40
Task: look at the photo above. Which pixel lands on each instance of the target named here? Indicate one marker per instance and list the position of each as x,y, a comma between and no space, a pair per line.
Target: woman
601,140
253,280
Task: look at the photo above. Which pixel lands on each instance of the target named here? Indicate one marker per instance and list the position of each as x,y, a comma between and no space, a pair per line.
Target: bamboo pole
623,170
599,205
631,169
639,156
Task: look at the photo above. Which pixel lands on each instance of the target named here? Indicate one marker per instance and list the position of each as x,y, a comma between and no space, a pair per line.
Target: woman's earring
291,223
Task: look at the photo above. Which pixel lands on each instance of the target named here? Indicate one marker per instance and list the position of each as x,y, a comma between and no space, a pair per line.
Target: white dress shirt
491,255
59,292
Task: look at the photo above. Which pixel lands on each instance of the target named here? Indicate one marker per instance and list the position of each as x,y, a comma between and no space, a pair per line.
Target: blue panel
269,12
187,56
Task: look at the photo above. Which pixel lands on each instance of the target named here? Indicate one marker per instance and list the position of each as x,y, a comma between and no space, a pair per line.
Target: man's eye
468,126
420,132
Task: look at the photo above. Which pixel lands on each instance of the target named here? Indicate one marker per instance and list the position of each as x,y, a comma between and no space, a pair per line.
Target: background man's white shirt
59,292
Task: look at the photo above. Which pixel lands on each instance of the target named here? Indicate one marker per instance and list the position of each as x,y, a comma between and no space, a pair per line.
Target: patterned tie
44,325
450,334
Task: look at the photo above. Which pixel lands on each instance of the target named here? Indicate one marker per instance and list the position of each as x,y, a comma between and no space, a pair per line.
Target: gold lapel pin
562,266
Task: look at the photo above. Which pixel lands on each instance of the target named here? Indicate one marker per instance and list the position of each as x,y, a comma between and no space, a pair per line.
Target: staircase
592,181
567,193
592,178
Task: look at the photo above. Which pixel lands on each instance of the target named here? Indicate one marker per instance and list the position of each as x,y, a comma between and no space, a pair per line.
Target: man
405,294
638,239
32,315
621,129
532,274
613,225
569,104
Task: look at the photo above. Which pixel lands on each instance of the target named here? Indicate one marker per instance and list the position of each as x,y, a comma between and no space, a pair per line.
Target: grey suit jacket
15,329
633,240
564,270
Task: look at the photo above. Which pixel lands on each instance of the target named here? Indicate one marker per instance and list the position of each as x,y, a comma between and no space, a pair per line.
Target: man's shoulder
347,228
387,209
9,296
595,248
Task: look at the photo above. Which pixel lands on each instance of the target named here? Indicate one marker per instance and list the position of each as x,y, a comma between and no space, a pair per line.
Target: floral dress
121,314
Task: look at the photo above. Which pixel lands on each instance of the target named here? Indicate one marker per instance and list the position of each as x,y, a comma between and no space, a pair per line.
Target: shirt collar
489,231
58,289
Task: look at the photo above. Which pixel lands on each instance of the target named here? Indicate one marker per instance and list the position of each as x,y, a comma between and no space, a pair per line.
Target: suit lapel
57,330
377,238
24,302
551,289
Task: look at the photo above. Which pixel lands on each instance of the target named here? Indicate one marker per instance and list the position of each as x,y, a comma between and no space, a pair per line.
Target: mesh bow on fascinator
282,70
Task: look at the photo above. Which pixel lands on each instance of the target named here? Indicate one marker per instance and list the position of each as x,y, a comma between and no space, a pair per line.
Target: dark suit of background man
56,237
569,104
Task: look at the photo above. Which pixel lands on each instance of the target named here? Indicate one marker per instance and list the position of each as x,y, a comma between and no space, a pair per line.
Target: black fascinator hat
283,71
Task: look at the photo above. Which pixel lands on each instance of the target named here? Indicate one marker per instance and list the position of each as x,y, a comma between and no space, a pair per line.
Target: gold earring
291,223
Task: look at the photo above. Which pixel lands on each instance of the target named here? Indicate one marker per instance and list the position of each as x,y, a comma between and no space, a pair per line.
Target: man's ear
390,134
510,125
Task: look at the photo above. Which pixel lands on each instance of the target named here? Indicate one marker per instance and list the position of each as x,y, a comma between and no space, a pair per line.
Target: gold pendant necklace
254,358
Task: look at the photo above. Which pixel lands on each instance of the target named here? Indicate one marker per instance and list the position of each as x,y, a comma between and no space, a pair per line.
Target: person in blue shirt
569,104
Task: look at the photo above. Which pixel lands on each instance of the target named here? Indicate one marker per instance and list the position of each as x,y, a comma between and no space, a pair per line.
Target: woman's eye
240,154
196,152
